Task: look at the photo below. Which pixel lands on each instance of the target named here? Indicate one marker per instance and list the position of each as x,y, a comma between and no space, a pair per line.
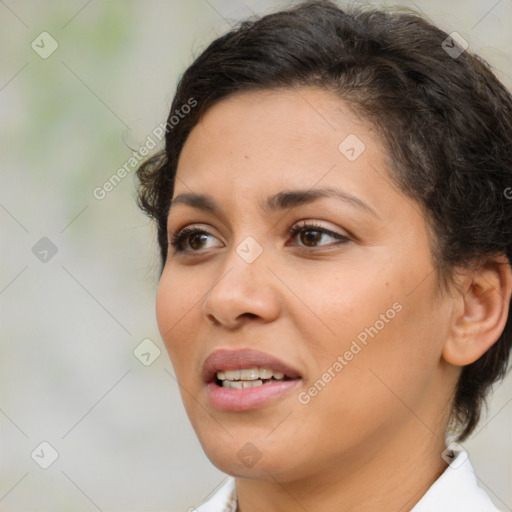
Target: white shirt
456,490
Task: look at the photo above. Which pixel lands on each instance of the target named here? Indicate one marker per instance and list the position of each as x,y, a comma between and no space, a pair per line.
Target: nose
242,292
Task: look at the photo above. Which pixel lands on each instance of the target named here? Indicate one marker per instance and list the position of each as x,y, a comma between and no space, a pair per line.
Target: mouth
248,377
239,380
245,366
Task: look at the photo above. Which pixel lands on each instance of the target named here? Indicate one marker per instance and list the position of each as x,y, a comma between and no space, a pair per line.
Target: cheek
379,329
166,303
342,304
390,366
375,385
176,306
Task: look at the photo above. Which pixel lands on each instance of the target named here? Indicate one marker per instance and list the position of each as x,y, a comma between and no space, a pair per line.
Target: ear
481,311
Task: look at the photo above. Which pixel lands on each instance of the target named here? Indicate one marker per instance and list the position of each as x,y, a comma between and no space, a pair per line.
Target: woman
334,228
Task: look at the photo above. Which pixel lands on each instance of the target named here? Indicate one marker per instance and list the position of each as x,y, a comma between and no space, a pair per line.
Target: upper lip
224,359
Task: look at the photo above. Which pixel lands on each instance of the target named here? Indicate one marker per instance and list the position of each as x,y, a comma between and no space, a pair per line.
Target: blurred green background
78,274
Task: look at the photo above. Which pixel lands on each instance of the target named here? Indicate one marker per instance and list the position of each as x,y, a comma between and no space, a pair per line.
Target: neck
393,476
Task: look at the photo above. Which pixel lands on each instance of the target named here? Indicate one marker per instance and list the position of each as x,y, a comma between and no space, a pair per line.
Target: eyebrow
283,200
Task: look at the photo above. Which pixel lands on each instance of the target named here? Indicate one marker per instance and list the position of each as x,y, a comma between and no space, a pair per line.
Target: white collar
456,490
224,500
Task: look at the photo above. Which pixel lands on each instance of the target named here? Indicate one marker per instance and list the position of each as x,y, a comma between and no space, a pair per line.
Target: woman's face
306,260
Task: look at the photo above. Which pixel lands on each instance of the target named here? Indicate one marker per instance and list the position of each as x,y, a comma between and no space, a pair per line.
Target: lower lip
226,399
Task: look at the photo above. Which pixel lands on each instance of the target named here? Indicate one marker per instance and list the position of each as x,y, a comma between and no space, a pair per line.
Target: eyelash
181,236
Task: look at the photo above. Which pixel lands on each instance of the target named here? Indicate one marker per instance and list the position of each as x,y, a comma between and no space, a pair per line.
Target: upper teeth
249,374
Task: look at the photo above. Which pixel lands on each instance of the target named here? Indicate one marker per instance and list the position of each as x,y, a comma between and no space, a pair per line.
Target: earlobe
482,312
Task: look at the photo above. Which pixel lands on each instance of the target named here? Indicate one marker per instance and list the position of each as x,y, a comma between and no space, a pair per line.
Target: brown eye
197,240
191,240
310,237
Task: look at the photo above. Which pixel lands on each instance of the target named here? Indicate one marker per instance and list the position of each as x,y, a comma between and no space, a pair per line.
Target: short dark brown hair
445,119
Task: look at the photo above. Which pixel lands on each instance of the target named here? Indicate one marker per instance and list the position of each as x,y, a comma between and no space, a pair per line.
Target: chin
246,459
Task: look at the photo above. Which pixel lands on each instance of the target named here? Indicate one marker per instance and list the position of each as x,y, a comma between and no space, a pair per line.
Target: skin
372,438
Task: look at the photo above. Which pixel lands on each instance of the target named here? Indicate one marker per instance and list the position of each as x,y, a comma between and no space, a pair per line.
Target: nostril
216,321
212,320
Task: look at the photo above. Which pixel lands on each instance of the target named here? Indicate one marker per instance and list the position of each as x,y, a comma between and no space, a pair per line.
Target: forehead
304,132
